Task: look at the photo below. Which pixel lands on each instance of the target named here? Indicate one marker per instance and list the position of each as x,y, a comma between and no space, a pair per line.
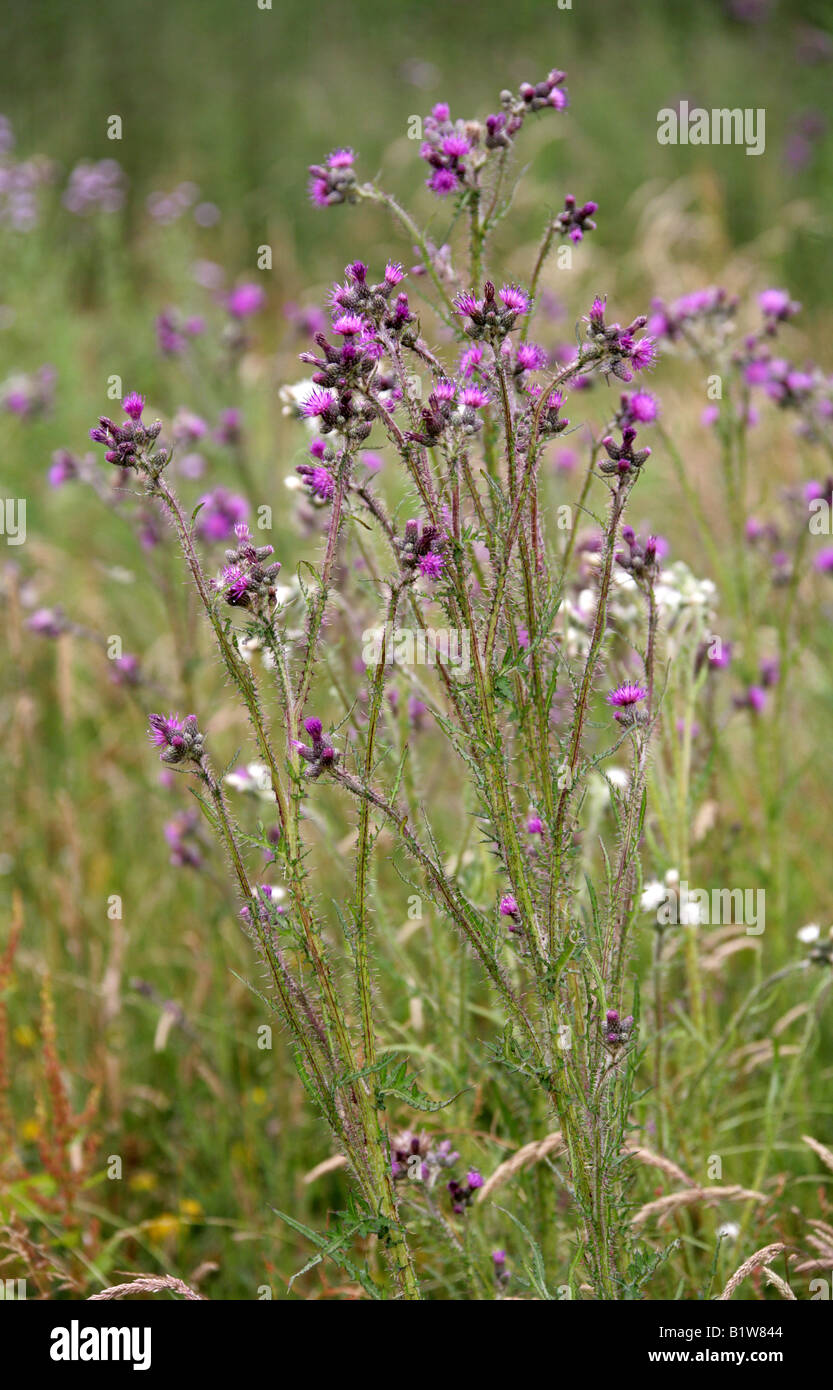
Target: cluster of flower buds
415,1157
335,181
421,550
321,756
445,148
317,477
245,581
776,307
550,92
450,405
462,1194
340,410
642,558
788,386
503,127
550,422
710,308
621,352
574,221
128,441
623,458
617,1031
494,315
179,739
371,301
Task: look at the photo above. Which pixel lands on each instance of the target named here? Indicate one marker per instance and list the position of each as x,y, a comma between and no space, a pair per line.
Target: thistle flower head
179,739
624,700
133,405
245,300
625,695
431,565
515,299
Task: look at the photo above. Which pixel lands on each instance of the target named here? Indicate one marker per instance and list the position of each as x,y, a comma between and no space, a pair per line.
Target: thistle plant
572,653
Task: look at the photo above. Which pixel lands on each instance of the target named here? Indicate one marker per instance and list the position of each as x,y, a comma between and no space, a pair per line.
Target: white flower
811,932
672,878
254,778
653,895
618,777
730,1230
691,914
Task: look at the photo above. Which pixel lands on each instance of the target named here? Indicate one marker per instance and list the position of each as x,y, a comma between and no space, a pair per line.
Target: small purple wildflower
180,739
246,300
624,699
219,514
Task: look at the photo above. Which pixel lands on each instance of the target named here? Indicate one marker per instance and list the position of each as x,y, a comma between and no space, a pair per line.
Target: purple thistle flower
349,324
644,354
179,739
220,512
756,699
47,622
467,304
442,182
824,561
321,483
624,699
642,407
475,397
444,390
163,731
319,402
63,468
535,826
341,159
133,405
529,357
515,299
508,906
234,582
246,300
455,146
777,305
431,565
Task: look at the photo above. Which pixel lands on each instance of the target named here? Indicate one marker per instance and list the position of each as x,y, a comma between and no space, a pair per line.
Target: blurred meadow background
135,1037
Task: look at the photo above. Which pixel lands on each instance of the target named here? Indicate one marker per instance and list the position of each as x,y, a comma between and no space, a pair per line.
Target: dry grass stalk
329,1165
757,1261
674,1201
780,1284
148,1283
826,1155
524,1158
